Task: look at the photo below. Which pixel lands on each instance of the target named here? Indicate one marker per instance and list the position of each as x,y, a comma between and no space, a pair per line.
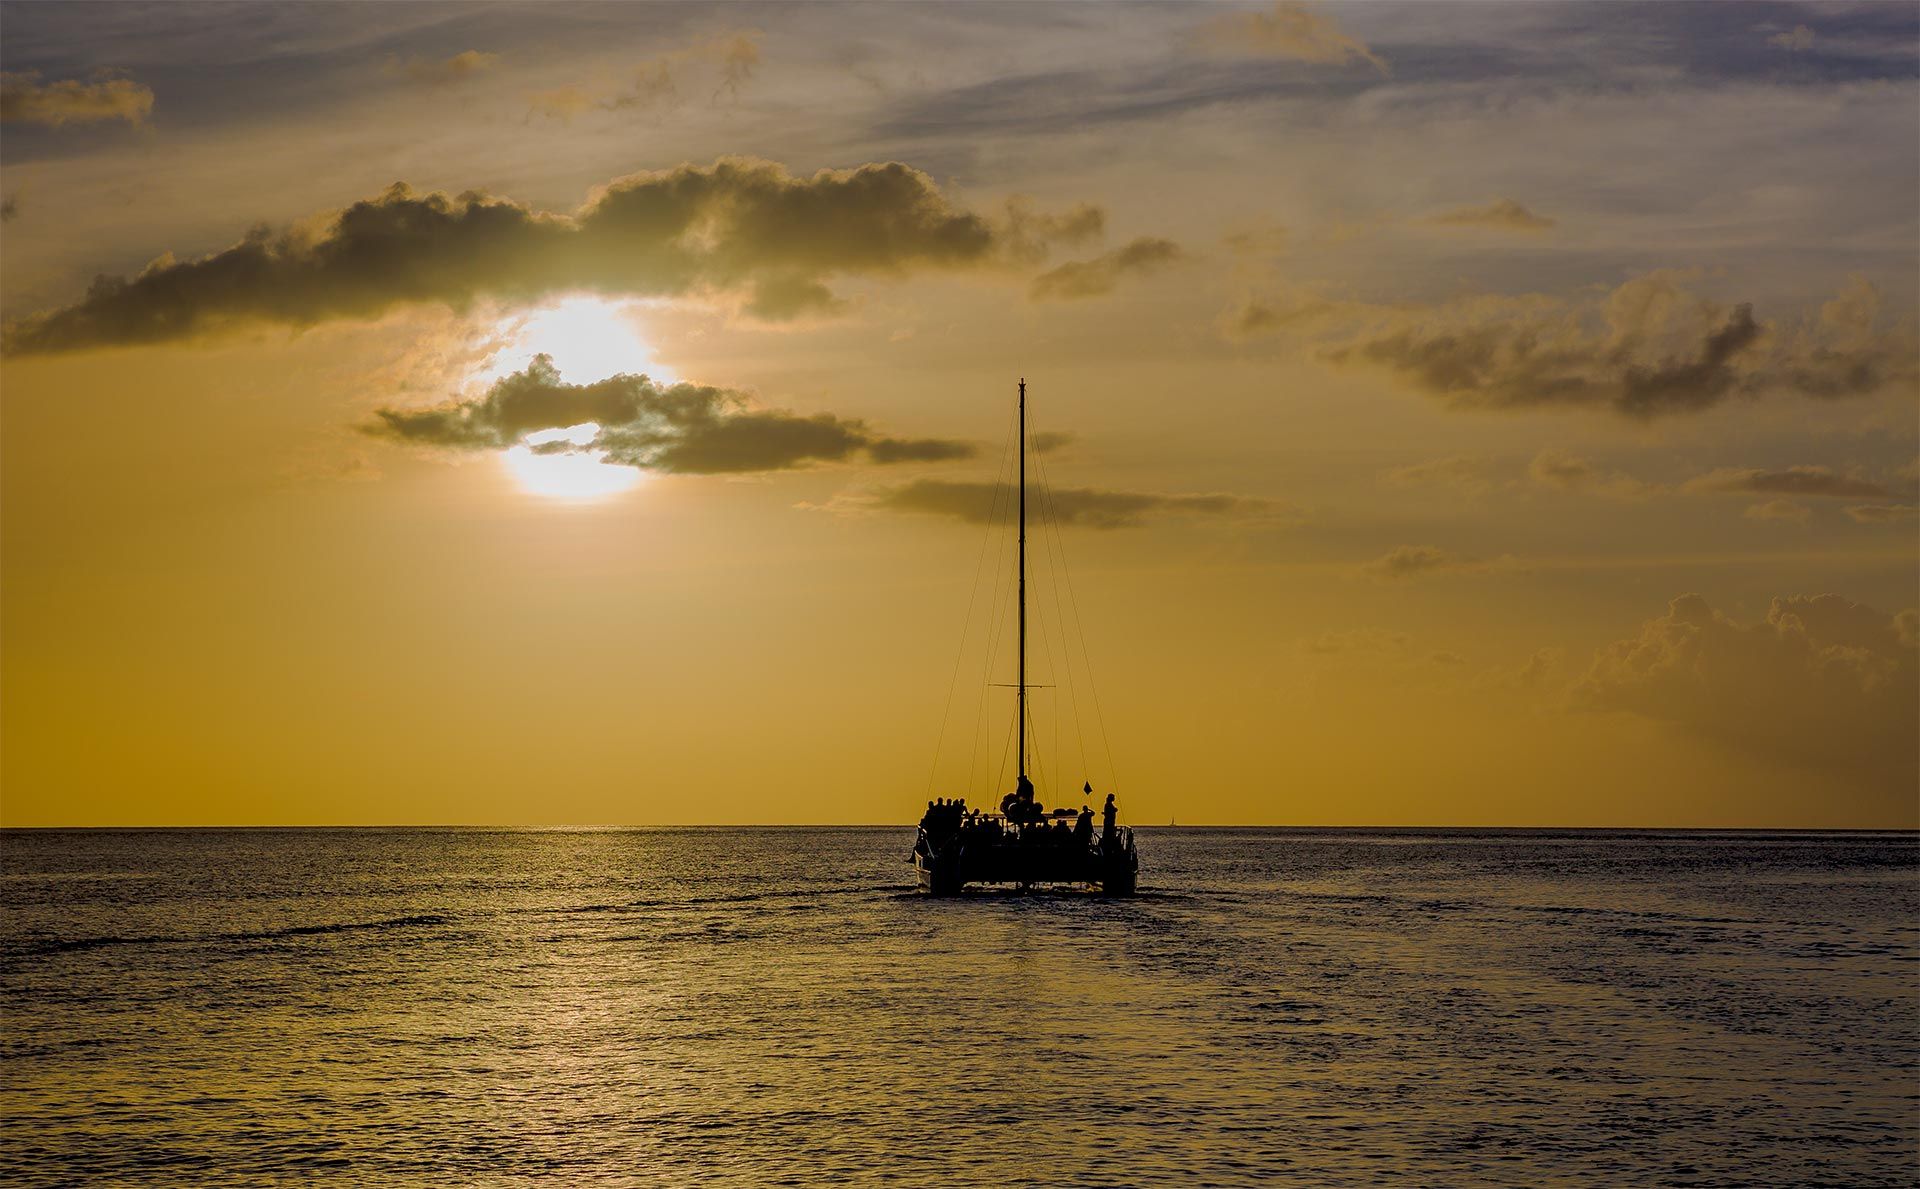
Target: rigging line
1047,636
1057,565
1033,753
1005,751
996,618
966,625
1050,519
1038,621
1086,658
980,745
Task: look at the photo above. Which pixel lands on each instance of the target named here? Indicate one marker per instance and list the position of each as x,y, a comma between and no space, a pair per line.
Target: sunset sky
1456,414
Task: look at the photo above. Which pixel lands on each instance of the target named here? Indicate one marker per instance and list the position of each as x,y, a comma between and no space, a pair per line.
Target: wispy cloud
1794,480
726,63
1797,38
1077,507
1102,274
1779,510
1882,513
1287,30
1415,561
441,72
1502,215
24,99
1569,472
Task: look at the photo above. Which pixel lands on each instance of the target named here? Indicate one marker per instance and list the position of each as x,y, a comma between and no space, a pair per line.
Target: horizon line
528,828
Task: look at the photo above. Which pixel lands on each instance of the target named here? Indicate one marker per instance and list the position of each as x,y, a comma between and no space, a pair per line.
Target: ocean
780,1007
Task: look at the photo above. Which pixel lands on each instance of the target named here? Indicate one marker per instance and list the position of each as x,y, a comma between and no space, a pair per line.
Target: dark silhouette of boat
1024,844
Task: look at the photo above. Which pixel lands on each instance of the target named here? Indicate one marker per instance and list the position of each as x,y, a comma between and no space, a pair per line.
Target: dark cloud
1652,349
1821,680
1100,275
735,227
1507,366
1082,507
1502,215
682,428
24,99
1799,480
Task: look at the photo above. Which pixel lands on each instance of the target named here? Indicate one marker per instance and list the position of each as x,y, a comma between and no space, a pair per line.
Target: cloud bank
1821,681
679,428
737,227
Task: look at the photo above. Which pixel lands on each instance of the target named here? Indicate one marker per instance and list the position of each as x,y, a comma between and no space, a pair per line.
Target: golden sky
1453,414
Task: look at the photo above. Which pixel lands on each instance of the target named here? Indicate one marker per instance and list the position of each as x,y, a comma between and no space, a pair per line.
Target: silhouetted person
1109,815
1083,827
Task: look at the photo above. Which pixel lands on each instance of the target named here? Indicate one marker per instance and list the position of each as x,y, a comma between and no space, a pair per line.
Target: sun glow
576,474
588,339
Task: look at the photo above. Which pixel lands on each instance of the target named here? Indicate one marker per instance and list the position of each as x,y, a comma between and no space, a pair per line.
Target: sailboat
1023,844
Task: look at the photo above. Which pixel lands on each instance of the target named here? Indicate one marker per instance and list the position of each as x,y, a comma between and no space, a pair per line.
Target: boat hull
946,870
939,874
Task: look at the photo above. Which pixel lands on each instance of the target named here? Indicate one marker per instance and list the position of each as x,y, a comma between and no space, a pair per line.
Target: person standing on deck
1108,816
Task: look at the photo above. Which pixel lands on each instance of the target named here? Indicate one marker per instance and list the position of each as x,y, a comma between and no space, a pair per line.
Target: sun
588,339
577,474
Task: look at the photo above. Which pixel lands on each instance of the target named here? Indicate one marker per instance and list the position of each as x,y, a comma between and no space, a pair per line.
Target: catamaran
1024,844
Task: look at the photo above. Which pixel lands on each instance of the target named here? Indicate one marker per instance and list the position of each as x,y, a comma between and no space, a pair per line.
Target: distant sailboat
1023,844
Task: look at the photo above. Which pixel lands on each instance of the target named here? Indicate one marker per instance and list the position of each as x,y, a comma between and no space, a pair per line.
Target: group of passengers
1026,821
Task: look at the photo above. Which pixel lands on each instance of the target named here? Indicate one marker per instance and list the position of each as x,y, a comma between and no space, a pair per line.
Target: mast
1020,705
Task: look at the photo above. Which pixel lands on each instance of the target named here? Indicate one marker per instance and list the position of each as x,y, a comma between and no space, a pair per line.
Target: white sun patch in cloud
588,338
559,464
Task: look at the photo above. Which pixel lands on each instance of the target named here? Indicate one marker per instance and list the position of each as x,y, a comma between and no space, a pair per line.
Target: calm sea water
438,1007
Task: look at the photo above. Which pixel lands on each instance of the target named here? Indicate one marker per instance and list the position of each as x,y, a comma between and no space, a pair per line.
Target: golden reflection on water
418,1007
